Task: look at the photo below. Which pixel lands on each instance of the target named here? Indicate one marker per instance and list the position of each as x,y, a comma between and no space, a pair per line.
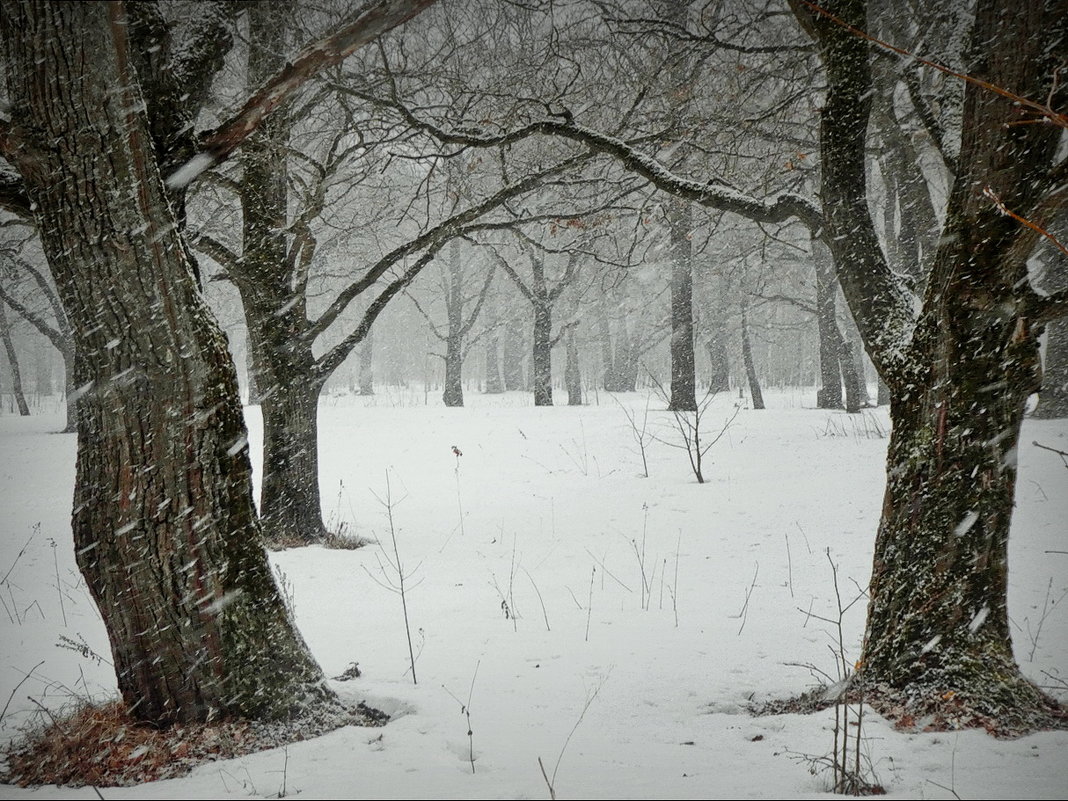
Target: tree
937,638
960,364
164,526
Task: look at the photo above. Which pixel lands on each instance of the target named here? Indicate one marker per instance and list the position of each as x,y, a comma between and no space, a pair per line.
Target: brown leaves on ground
104,746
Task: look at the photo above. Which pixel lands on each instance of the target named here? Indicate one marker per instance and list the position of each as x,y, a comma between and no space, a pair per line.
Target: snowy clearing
533,616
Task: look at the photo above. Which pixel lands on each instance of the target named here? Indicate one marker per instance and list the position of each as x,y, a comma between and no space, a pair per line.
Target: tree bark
494,381
683,390
367,383
13,364
937,640
750,367
164,526
275,312
829,395
42,359
572,373
513,359
541,355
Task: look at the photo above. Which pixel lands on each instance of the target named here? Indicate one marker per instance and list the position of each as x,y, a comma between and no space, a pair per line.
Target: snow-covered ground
531,614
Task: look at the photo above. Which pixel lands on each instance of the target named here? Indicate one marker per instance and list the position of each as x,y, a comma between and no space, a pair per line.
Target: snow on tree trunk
680,223
572,373
750,366
164,527
937,639
541,354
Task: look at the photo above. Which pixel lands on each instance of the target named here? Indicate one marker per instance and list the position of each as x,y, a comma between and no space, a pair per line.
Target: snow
640,707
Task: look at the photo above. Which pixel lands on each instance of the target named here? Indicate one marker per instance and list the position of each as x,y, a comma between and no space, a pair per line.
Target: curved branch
373,20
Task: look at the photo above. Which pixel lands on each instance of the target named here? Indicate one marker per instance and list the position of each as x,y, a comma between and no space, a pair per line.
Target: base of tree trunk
1003,705
105,746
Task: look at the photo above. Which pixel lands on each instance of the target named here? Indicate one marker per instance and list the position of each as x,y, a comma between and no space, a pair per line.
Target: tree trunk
829,395
276,314
13,364
937,641
290,502
164,526
750,367
541,355
513,359
367,350
454,388
683,392
572,373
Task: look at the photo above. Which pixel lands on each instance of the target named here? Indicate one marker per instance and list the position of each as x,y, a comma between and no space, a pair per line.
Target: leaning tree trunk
13,364
164,527
541,355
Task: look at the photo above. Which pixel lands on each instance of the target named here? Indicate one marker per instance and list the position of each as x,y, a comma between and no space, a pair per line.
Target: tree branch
371,21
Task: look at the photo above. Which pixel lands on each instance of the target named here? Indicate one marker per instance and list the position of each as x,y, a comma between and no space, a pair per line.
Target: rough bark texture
572,373
164,526
494,380
275,311
938,639
683,391
541,355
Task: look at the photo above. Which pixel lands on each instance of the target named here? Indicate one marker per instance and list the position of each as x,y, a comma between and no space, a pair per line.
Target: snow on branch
712,194
370,22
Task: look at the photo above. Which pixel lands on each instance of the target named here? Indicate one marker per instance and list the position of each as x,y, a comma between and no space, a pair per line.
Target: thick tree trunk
937,641
541,355
275,311
572,373
750,367
290,502
164,526
683,391
13,364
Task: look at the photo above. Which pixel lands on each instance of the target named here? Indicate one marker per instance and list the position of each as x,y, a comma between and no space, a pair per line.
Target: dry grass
103,746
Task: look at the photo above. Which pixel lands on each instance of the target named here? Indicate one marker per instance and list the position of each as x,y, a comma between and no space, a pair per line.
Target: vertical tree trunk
13,364
683,392
829,395
252,370
572,373
719,377
367,379
541,355
164,526
750,367
276,314
454,388
937,640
